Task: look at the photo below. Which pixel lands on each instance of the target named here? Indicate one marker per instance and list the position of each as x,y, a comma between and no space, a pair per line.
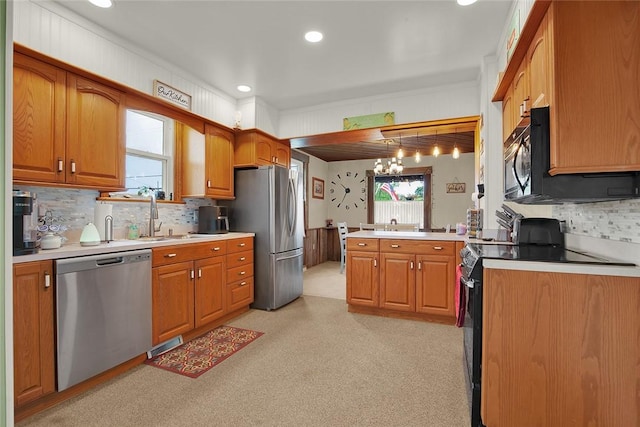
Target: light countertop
563,267
76,250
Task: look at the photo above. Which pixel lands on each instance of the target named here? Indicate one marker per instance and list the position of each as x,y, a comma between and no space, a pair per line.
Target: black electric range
472,256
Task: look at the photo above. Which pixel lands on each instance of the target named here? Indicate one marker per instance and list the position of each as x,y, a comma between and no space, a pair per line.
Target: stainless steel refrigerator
269,203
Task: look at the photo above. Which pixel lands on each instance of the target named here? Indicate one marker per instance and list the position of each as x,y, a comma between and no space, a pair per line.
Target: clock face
348,190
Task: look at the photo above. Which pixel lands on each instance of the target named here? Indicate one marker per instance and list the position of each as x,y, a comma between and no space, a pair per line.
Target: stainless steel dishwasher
103,307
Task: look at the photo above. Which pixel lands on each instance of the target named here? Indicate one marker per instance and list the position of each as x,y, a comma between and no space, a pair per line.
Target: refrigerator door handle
291,207
289,257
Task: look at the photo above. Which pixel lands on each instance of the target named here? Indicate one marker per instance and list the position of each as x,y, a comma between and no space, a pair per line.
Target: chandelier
391,166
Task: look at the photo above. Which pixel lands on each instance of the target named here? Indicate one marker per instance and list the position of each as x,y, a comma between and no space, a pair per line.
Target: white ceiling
369,47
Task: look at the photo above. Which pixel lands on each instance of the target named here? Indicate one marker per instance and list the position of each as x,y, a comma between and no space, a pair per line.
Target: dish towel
460,297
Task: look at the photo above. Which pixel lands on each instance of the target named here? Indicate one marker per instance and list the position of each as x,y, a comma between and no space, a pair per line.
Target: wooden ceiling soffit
348,136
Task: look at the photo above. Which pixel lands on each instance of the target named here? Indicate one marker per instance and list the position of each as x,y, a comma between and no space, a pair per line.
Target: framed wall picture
318,188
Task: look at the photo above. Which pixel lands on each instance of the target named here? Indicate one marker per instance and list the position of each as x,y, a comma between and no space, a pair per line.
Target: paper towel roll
99,213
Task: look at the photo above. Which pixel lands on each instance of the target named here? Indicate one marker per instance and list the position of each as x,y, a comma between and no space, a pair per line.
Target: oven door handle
468,283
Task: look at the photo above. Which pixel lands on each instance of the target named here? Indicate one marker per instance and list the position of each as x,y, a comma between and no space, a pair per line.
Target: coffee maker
25,223
213,220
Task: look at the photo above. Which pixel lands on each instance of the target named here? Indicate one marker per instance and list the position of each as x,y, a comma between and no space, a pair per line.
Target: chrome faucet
153,215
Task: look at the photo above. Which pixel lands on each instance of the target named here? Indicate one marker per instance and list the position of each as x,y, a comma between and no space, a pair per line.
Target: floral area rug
197,356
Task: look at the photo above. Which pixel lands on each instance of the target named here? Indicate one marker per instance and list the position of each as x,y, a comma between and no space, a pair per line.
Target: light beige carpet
325,280
316,365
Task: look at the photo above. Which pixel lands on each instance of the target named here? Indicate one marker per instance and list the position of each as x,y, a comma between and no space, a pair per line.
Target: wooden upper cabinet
256,148
218,163
583,61
33,331
95,134
507,114
596,99
206,162
539,60
521,104
39,92
67,129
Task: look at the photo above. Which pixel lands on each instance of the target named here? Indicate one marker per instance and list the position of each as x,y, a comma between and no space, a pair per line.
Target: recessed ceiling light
244,88
466,2
102,3
313,36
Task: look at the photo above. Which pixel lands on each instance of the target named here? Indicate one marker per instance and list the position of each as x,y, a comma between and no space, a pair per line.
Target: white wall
445,208
317,207
442,102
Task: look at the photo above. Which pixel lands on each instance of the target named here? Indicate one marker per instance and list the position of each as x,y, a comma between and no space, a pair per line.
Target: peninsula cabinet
68,130
560,349
33,331
207,162
256,148
583,61
414,279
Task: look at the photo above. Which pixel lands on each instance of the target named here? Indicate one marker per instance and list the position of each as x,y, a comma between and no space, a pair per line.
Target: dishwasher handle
110,261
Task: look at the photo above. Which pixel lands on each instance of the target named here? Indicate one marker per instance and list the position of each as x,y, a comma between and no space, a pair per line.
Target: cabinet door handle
193,275
208,183
395,246
411,265
437,248
243,283
362,244
73,166
375,262
241,258
60,165
242,273
420,265
47,280
215,249
170,255
199,273
241,245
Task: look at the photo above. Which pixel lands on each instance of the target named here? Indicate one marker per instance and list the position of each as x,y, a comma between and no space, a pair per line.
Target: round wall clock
348,190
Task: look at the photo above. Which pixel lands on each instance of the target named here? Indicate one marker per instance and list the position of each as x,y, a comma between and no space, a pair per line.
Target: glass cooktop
539,253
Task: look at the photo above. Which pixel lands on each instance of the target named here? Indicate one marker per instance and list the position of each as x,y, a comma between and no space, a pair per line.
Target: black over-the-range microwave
527,179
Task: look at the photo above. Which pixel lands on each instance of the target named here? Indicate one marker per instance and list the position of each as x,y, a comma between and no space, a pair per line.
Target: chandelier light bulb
436,151
418,157
456,152
400,153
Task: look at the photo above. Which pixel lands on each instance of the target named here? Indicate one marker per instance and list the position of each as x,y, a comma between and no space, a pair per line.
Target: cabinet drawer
209,249
239,273
239,245
239,258
239,294
173,254
428,247
179,253
367,245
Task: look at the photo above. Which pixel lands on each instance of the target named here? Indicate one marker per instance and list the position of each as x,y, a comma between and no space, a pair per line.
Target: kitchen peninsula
408,275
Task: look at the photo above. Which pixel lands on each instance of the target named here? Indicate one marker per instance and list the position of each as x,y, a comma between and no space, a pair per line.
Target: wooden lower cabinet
416,278
173,300
560,349
33,331
435,281
397,281
191,286
362,278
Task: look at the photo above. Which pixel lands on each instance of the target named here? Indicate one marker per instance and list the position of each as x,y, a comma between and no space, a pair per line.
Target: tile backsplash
75,208
618,220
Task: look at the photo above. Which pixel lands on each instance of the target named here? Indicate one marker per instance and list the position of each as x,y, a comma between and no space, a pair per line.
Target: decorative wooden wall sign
456,187
173,95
